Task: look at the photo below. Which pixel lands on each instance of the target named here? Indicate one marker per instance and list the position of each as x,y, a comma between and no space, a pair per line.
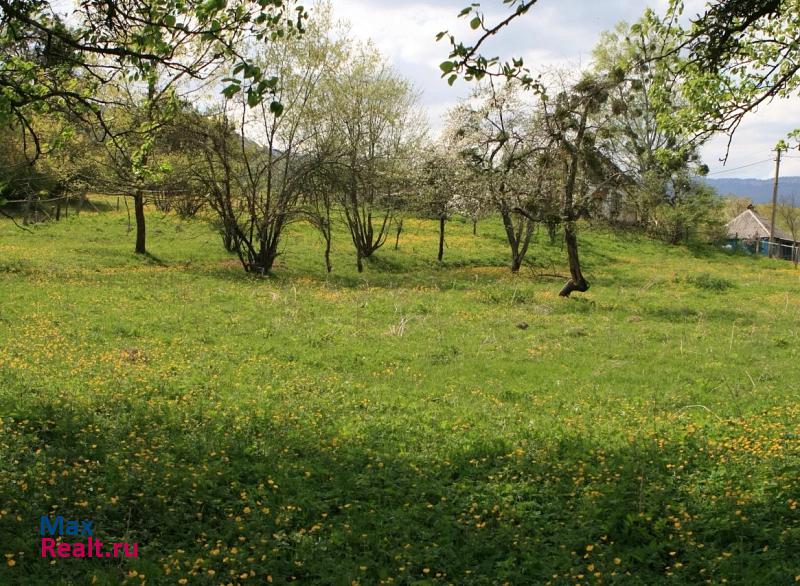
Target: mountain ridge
759,190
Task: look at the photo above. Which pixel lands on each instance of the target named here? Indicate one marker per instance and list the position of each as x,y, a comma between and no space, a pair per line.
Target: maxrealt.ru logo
86,547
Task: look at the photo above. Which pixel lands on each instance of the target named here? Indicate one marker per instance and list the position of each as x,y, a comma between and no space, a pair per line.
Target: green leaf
231,90
447,66
276,108
475,22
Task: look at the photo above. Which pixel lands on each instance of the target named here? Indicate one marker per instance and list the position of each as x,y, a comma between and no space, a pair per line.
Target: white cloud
404,32
754,141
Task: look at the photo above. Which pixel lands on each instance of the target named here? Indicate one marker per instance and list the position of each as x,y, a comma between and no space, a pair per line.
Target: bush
689,216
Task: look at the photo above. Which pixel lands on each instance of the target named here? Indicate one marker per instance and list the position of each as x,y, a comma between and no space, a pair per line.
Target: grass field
397,427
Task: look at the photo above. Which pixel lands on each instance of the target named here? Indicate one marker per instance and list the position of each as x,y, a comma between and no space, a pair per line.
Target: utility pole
779,149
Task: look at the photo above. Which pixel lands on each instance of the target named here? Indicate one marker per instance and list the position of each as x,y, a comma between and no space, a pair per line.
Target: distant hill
759,190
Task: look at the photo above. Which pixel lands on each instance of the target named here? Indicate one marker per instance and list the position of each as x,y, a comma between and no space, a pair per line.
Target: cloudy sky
555,33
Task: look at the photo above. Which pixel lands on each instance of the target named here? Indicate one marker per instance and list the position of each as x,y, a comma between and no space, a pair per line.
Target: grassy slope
396,426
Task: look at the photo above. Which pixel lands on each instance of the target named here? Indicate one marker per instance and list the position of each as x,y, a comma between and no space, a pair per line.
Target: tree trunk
58,210
269,252
551,231
359,262
442,220
513,242
577,282
474,226
399,229
328,265
138,198
138,204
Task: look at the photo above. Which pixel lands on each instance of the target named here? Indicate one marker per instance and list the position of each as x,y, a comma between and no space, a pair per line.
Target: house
751,231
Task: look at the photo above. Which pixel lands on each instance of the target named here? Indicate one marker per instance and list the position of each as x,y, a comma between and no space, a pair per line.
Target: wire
742,167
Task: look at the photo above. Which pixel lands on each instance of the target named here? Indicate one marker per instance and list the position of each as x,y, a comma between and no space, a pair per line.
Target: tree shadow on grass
268,496
153,259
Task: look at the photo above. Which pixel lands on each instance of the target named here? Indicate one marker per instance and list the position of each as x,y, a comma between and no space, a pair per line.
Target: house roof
749,224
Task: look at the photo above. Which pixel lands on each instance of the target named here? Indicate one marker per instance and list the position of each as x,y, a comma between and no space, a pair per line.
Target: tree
466,60
217,150
49,179
106,39
319,200
490,131
435,198
738,55
579,128
657,156
376,127
258,160
140,114
568,118
692,211
67,67
176,191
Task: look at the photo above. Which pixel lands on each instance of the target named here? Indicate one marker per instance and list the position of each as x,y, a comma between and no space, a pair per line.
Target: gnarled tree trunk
577,281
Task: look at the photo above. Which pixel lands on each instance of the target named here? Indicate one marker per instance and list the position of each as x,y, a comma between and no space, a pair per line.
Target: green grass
397,426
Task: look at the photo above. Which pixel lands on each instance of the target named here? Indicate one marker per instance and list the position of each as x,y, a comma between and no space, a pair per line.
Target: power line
742,167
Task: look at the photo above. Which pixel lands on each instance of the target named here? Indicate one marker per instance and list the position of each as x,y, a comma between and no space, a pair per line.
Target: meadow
420,423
